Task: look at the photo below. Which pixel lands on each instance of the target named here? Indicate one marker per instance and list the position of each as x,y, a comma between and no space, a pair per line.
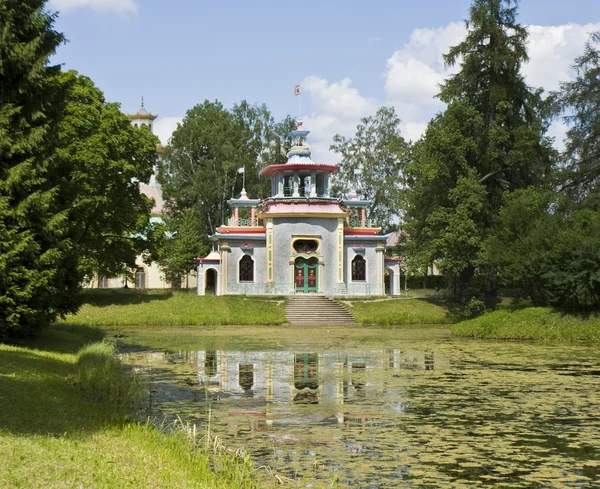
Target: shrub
101,377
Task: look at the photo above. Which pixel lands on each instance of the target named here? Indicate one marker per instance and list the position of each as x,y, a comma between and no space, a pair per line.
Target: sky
350,57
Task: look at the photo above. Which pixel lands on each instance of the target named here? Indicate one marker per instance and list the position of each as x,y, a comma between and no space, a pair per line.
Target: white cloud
118,6
337,109
414,72
411,80
552,50
164,128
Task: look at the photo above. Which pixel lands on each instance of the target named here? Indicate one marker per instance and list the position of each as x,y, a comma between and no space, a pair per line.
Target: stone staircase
315,309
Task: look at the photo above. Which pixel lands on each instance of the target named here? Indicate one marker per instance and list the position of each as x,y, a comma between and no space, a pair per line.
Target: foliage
134,307
37,280
199,172
373,163
580,100
69,167
102,158
489,141
549,248
101,377
181,245
531,323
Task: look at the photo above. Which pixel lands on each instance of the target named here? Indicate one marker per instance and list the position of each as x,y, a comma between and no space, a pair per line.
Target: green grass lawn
400,311
174,308
531,323
51,436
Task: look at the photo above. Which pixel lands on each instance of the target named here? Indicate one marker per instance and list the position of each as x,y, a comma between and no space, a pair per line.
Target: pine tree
35,276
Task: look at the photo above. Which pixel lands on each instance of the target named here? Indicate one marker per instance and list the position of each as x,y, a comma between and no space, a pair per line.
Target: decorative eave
365,237
233,236
271,169
207,260
393,260
243,202
361,231
241,230
148,117
301,207
357,203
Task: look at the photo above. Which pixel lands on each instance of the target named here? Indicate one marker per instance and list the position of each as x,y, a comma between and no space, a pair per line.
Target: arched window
247,269
359,268
140,278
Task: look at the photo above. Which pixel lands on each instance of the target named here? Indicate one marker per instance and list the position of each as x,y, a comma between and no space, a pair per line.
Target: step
304,309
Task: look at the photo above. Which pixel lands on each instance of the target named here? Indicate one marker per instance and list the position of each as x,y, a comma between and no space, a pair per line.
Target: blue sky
350,56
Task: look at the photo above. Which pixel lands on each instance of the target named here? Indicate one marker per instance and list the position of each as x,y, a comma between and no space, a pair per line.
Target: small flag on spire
297,90
241,170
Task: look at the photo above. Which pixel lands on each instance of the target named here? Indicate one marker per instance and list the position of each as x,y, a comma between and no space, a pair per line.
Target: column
269,232
222,277
380,288
252,216
236,216
296,180
313,184
363,217
340,250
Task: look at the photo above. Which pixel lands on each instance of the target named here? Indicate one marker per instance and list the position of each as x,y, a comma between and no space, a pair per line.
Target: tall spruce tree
492,133
36,279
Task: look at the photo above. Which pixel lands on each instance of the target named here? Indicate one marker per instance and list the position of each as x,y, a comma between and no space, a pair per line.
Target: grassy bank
531,323
173,308
54,435
400,311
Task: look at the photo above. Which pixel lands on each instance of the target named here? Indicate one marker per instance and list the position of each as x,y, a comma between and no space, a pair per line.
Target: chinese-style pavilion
300,240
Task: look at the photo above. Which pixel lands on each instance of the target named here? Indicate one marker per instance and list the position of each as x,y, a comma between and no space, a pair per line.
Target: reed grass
101,377
531,323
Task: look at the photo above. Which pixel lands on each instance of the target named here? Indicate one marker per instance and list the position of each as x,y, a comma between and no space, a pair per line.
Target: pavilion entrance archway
306,275
210,282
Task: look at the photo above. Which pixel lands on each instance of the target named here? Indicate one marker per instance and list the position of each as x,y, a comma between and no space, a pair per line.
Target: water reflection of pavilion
270,381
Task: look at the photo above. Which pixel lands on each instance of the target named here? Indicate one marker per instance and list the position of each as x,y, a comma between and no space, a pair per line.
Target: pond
371,408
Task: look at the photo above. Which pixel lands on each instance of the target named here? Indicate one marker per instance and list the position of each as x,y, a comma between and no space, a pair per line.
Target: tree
494,125
548,247
102,159
37,279
199,172
373,163
267,139
182,244
580,101
69,170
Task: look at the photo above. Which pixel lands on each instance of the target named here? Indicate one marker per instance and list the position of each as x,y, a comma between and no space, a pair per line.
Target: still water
408,410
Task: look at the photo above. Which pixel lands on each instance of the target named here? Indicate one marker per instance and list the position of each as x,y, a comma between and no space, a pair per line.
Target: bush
101,377
473,308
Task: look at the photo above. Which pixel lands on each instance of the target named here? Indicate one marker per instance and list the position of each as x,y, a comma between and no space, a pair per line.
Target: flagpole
244,178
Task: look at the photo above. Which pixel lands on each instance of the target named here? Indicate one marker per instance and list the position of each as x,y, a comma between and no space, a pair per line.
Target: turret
142,117
300,177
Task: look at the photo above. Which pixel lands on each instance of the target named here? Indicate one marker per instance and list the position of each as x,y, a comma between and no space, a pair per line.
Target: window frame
244,260
358,259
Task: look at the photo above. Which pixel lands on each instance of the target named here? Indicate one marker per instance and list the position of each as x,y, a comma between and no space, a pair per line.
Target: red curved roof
269,170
